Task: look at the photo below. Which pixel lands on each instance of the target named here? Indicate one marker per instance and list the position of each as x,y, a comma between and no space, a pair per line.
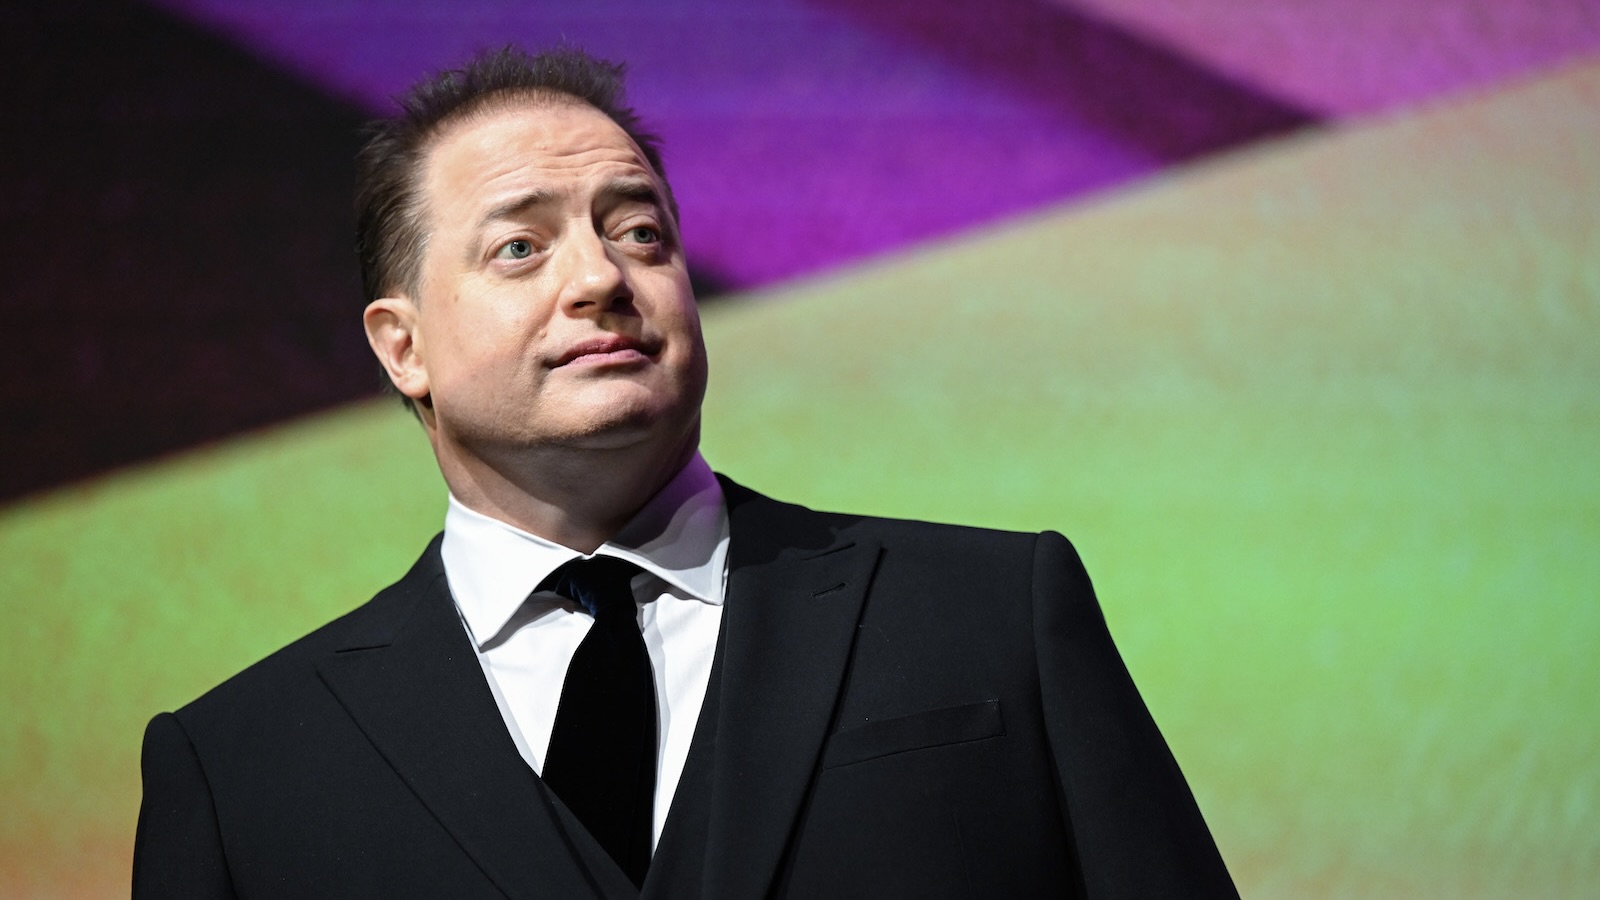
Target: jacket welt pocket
918,731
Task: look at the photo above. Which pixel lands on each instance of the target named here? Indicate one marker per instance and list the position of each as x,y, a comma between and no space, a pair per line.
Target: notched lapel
410,679
791,622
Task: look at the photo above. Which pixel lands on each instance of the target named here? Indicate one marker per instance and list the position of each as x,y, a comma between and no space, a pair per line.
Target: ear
393,332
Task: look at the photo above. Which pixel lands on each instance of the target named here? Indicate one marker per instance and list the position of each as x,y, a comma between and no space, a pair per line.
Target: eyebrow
636,190
644,190
515,207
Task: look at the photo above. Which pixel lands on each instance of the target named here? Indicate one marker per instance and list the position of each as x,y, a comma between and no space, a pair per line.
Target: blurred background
1285,311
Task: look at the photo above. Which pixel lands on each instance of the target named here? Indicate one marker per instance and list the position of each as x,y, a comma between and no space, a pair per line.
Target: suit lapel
795,592
409,677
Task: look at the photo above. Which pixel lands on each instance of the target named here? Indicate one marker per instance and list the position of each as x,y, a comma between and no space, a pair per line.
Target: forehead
523,144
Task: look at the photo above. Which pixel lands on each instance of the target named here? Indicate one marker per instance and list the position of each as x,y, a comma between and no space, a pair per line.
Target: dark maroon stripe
176,229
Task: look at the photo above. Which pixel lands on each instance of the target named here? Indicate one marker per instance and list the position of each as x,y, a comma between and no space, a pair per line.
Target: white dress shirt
525,640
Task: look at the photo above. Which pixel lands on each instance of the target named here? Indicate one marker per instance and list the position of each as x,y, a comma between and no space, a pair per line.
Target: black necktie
602,756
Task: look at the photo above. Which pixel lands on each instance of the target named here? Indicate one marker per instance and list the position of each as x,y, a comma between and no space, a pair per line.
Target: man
615,673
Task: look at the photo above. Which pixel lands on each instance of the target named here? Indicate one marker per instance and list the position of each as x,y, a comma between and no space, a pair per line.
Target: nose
593,282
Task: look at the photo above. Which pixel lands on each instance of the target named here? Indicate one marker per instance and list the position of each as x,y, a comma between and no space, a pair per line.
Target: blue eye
642,234
518,249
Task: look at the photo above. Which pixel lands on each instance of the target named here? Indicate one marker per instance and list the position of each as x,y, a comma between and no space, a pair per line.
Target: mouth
606,350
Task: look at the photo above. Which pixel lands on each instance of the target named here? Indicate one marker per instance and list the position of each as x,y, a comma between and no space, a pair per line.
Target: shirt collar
680,536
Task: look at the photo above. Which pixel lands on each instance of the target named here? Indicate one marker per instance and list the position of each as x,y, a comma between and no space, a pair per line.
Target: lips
610,348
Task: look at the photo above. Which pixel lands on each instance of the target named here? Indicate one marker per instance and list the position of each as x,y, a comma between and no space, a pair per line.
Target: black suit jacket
897,709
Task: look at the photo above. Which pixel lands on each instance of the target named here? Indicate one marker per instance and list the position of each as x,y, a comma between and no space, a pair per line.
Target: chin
618,426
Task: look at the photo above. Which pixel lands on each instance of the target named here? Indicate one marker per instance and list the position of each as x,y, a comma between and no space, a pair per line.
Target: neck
576,497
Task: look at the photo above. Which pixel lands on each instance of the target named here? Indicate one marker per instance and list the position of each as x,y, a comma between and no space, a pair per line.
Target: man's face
554,305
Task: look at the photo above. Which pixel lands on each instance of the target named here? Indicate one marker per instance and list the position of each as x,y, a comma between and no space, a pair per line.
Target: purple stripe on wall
800,136
1350,58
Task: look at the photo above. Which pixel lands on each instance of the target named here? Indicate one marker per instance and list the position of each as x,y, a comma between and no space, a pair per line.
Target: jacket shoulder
763,516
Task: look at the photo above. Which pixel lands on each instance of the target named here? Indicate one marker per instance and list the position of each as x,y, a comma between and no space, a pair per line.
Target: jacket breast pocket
918,731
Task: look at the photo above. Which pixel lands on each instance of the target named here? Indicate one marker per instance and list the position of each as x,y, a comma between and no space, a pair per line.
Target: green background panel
1322,419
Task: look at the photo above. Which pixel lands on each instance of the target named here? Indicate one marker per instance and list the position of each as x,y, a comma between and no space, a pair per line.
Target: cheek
475,358
677,309
695,366
688,342
495,330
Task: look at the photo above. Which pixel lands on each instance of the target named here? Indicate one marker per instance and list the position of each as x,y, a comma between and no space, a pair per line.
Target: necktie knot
600,584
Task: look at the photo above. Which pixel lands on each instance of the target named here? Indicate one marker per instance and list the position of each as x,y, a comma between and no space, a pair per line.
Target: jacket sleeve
1134,824
178,851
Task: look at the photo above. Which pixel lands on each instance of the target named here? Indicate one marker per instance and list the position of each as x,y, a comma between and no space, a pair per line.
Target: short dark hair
390,231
